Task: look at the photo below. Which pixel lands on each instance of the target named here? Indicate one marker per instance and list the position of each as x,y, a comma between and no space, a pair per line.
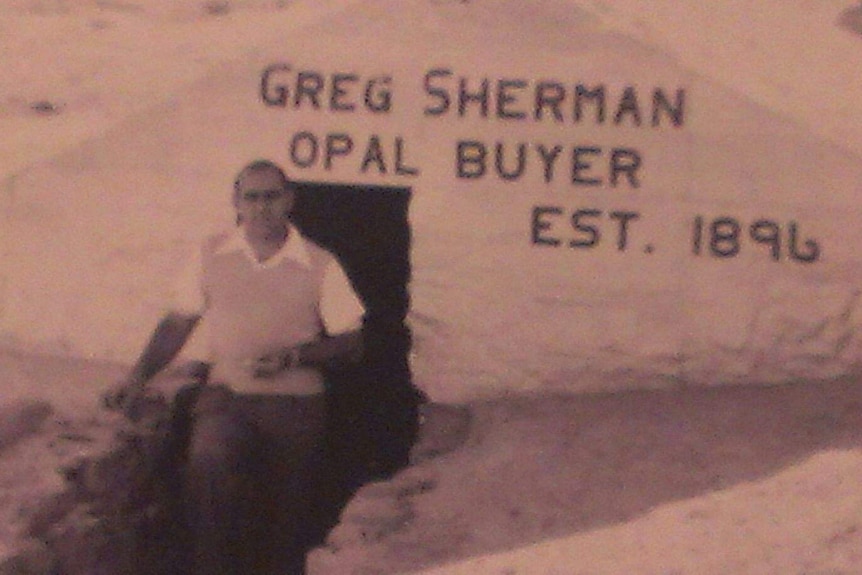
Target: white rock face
685,232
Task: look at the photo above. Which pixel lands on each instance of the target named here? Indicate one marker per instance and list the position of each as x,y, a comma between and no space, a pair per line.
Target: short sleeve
188,296
340,308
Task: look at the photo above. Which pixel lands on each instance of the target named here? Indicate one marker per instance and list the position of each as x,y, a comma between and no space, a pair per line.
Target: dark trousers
249,483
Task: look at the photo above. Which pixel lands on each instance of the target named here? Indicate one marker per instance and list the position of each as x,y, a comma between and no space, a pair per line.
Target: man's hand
347,347
273,363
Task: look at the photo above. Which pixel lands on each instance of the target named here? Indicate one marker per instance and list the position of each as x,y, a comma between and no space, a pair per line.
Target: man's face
263,204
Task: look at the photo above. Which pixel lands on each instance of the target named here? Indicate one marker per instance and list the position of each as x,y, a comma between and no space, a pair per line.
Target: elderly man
276,308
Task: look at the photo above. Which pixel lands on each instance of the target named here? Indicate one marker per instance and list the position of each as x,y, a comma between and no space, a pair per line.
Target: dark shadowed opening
374,406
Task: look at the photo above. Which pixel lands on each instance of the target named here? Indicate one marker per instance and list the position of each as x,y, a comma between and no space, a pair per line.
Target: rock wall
114,512
719,250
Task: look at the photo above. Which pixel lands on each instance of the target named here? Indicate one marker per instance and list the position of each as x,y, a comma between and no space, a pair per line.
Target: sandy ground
708,481
760,480
732,480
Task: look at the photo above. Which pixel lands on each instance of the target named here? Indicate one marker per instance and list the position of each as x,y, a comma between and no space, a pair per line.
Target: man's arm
347,347
167,340
344,348
341,313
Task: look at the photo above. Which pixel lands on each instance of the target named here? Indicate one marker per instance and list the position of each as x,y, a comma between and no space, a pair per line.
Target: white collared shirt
341,310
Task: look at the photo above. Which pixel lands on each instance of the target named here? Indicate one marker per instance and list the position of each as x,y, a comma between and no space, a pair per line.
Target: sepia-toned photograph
431,287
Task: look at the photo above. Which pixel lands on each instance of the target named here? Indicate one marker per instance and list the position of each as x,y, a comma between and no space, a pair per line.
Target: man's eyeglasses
255,196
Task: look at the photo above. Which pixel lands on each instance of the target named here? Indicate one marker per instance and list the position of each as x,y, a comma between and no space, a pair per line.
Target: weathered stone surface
537,468
115,515
117,511
21,419
50,511
491,311
382,509
34,559
444,427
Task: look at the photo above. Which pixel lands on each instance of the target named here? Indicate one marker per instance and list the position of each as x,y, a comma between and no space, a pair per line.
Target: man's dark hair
261,166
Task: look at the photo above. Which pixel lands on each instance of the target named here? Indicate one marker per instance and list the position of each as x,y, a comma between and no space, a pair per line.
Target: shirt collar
295,248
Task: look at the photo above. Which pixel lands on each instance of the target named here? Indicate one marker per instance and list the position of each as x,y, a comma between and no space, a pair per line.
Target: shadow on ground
535,468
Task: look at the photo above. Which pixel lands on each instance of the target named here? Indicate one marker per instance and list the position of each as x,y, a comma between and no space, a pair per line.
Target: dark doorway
373,407
368,229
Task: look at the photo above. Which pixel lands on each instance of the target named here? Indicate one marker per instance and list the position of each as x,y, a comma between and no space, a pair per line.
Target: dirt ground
684,481
729,480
